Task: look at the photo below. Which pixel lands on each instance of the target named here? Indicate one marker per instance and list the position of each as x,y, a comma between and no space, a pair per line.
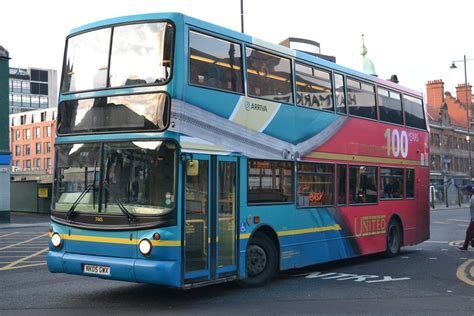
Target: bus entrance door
210,218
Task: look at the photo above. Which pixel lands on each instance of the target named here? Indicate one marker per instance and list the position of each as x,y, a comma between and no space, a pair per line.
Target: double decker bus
188,154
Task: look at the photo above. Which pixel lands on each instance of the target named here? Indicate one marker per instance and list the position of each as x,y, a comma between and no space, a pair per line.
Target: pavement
23,219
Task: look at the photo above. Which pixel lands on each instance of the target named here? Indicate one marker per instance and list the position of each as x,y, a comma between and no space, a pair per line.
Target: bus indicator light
256,219
156,236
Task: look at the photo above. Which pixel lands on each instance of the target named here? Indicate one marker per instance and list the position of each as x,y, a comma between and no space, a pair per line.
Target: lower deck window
270,181
362,184
315,184
391,183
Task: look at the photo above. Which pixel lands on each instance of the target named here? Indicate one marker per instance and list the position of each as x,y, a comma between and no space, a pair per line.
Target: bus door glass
210,217
226,204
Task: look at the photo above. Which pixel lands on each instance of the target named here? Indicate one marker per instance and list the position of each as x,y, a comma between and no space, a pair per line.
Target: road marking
354,277
14,263
433,258
23,242
459,220
436,242
8,234
465,272
442,223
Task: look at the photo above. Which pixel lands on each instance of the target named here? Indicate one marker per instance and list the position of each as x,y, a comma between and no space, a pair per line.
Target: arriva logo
256,107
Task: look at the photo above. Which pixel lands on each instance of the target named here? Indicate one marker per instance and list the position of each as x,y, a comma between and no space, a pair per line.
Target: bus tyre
261,260
394,239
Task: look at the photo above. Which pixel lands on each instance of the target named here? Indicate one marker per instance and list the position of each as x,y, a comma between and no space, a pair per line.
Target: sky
415,39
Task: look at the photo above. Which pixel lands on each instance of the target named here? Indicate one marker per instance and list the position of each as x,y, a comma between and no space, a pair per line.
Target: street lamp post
468,108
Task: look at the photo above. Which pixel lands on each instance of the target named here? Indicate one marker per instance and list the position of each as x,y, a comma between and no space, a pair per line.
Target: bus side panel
423,207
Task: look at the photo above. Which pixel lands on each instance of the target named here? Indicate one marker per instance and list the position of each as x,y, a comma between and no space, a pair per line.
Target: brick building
449,142
32,140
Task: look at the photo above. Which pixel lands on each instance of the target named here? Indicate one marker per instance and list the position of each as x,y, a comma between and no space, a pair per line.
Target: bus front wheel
261,260
394,239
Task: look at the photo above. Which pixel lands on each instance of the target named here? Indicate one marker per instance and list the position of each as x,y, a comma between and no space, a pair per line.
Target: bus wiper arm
131,218
72,211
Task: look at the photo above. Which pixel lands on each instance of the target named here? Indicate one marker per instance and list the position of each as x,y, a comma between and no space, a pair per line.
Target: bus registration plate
91,268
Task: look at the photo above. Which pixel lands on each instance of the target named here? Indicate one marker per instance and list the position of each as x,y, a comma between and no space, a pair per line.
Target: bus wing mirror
192,168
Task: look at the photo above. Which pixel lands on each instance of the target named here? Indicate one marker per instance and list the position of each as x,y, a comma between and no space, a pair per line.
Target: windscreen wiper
71,212
131,218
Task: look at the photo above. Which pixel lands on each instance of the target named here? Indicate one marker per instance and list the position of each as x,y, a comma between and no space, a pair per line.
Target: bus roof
181,18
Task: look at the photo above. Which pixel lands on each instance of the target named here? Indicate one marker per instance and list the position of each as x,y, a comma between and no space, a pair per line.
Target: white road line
23,242
436,242
459,220
26,266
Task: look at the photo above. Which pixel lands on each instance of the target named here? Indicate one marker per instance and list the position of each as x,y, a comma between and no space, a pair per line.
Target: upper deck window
215,63
361,99
118,113
313,87
390,106
414,114
140,55
268,76
340,93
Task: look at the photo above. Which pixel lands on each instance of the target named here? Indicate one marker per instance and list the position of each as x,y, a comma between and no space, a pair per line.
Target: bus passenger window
269,76
410,183
270,181
361,99
341,184
390,106
414,114
313,87
362,185
391,183
315,184
215,63
340,93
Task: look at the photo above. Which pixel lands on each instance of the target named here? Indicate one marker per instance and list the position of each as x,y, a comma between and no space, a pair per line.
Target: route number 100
397,143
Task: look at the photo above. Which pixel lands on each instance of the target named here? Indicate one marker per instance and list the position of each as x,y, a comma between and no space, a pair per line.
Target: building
449,153
4,148
32,89
32,142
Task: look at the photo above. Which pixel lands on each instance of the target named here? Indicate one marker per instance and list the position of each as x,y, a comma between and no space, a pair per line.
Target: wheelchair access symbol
243,227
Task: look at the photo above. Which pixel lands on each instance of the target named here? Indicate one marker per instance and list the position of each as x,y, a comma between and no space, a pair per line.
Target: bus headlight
145,246
56,240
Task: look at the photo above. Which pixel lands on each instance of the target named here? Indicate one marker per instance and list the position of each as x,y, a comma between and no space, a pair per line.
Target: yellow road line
8,234
14,263
26,266
23,242
465,272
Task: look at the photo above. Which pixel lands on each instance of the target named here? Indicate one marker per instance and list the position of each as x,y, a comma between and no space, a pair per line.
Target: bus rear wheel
261,260
394,239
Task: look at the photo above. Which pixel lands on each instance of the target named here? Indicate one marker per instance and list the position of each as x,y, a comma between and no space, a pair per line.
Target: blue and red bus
188,154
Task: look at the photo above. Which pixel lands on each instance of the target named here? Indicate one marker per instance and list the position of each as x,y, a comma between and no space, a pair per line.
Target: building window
215,63
315,184
27,164
270,181
23,119
26,149
38,148
17,134
17,150
37,163
47,131
47,147
47,163
268,76
43,116
27,133
362,184
37,132
392,182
